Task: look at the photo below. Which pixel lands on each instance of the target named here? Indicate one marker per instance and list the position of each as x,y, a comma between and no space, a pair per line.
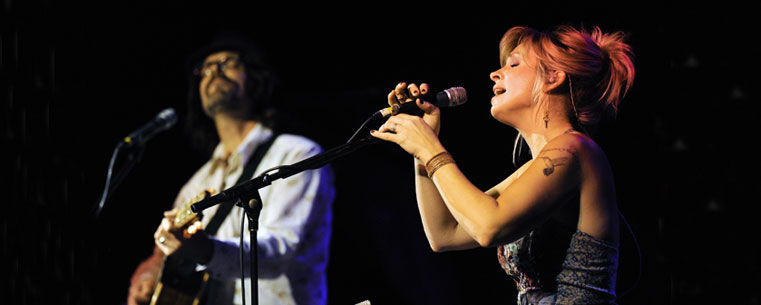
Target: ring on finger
162,240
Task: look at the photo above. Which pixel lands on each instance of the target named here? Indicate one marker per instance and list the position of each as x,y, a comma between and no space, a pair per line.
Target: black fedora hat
251,53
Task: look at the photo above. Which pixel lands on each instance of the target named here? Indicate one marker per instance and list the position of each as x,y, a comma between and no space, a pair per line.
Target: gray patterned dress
561,265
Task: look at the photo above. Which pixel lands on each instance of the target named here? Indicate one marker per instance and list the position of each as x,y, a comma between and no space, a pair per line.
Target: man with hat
231,89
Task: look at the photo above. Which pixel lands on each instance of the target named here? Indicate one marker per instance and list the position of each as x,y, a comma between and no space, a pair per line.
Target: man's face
222,86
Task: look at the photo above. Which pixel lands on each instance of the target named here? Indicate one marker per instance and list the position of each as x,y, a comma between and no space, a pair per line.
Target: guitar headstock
185,214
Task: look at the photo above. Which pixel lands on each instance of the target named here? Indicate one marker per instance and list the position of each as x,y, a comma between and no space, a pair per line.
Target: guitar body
179,283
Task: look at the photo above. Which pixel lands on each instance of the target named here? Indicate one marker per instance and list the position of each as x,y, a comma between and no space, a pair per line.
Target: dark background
77,77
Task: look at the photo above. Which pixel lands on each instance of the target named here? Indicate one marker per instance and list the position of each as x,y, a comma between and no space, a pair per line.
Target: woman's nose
496,75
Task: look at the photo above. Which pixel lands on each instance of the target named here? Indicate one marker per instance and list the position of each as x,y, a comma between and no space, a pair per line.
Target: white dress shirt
294,225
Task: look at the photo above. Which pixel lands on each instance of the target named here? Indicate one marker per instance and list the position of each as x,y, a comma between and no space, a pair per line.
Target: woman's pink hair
599,65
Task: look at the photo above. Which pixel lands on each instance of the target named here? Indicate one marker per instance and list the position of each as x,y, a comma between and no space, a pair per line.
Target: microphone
163,121
451,97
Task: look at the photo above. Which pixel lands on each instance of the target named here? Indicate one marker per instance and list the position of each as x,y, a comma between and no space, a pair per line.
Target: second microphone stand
246,195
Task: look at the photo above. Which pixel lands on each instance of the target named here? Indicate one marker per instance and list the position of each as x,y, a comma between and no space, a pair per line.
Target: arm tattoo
550,164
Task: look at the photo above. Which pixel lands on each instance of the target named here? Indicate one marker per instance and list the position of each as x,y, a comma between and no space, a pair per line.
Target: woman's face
513,86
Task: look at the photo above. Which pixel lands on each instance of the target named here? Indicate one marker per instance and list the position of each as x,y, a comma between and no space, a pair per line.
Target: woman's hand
404,93
412,133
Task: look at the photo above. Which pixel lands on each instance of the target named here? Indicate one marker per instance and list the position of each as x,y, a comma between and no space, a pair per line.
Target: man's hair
259,88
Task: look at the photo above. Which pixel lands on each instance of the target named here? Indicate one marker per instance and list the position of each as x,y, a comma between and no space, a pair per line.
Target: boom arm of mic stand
245,189
246,194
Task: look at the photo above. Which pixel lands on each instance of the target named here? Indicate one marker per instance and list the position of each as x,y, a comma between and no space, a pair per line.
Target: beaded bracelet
439,160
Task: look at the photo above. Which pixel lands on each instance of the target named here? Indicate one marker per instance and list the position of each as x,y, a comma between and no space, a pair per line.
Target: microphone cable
112,182
108,178
361,127
639,256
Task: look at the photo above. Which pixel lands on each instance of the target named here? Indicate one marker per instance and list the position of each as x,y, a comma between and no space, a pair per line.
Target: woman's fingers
387,132
401,92
404,93
411,133
425,106
424,89
389,126
392,98
398,122
413,90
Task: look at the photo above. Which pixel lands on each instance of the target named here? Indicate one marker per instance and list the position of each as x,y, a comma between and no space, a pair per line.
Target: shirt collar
256,136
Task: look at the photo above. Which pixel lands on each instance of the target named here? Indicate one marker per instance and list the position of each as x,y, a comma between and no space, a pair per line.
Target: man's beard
226,102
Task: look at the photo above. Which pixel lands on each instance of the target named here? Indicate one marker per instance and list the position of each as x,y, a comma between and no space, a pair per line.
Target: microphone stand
252,206
246,195
133,158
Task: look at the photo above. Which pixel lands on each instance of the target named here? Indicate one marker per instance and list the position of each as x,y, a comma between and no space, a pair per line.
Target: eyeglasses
204,69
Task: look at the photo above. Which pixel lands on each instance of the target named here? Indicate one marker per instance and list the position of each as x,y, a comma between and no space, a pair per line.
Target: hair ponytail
618,56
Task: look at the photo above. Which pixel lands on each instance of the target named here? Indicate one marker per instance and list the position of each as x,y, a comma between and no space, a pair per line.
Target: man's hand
141,291
198,248
167,242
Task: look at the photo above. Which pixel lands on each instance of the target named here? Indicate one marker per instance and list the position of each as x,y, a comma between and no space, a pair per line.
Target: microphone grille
168,116
451,97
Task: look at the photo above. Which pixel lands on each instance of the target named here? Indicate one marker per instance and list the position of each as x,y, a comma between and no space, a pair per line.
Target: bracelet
439,160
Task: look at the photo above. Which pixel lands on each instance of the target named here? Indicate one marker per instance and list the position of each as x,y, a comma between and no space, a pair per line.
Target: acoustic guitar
179,283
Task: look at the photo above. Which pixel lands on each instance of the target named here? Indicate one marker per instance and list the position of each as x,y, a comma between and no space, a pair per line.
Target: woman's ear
554,80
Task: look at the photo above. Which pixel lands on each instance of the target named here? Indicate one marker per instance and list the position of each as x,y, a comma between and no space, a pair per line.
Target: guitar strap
248,172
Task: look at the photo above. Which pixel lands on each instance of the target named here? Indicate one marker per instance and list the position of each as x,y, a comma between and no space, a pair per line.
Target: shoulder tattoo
551,163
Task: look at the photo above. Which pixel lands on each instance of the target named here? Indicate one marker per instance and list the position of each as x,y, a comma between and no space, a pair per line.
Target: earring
546,117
